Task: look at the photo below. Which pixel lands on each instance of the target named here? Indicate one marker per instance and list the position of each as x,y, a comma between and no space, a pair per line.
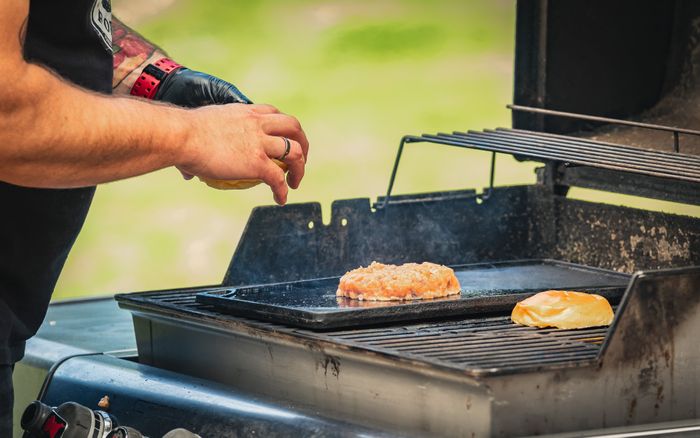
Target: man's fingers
275,148
263,108
282,125
273,176
297,164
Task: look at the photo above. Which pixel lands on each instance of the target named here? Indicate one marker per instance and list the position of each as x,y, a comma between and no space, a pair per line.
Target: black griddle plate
486,288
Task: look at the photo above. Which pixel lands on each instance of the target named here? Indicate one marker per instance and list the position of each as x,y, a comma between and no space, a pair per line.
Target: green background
357,74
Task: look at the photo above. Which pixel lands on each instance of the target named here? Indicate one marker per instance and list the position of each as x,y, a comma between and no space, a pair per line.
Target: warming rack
571,152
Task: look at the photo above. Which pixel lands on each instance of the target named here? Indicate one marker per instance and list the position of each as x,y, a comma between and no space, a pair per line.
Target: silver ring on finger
287,148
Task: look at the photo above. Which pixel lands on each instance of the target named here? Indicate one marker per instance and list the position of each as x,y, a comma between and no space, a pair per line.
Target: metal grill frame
646,368
489,346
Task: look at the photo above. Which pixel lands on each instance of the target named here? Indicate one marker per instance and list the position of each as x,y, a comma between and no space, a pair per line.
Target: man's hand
229,144
193,89
239,141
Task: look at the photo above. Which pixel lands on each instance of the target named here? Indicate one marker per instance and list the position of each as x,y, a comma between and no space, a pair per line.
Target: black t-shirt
38,226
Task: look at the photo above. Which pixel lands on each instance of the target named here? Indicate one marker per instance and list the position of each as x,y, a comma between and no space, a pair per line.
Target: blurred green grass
358,75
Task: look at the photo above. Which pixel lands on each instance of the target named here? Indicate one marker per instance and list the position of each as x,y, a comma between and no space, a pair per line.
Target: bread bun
237,184
563,310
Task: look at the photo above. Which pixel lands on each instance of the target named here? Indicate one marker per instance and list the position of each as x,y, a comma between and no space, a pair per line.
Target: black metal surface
655,334
620,239
476,345
94,324
640,64
447,228
655,303
451,228
486,288
647,373
155,401
659,303
618,70
562,177
482,344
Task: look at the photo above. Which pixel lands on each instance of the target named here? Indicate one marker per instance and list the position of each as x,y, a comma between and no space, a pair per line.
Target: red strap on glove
150,78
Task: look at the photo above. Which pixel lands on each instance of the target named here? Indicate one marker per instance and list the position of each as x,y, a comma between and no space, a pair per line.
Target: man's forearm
132,53
58,135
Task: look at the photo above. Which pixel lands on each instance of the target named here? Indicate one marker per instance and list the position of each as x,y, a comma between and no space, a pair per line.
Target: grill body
482,375
457,378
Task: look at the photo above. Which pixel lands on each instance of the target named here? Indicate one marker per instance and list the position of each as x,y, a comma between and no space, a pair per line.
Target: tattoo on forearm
130,51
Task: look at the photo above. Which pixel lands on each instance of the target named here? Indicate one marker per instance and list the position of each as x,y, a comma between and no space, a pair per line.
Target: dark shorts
37,229
6,396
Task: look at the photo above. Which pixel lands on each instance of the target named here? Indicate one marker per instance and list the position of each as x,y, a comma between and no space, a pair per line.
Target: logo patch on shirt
101,19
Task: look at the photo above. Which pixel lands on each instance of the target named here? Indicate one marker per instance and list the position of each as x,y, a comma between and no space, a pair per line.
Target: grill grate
576,151
475,346
479,345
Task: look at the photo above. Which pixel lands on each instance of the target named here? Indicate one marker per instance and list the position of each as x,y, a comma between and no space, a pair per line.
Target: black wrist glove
191,89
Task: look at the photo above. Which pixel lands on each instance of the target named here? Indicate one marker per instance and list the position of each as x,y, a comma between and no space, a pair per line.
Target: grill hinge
551,176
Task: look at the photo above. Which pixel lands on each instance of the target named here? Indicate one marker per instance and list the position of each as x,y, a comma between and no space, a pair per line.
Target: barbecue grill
604,99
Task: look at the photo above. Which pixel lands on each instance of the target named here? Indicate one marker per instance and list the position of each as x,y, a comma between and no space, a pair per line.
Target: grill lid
621,70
